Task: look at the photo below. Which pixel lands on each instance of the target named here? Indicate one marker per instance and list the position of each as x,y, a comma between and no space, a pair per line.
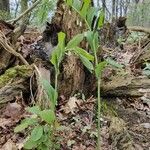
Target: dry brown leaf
13,110
9,145
71,105
4,122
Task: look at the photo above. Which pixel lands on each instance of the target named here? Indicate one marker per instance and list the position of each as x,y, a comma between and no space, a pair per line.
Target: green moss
17,71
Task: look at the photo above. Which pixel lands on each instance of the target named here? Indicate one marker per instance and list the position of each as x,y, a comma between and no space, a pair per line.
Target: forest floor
125,125
125,121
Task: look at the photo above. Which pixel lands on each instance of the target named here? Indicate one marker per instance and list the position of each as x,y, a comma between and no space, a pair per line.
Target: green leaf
92,38
90,15
77,5
75,41
69,2
89,37
84,53
36,133
50,91
30,144
101,19
54,59
95,42
59,51
114,63
48,116
34,109
87,63
99,68
43,147
24,124
85,8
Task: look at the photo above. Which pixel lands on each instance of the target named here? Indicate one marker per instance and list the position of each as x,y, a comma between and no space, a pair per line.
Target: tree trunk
113,9
120,8
4,5
72,77
117,8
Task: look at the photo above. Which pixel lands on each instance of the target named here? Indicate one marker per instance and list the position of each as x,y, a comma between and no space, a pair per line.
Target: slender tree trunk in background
117,3
4,5
113,9
4,9
24,21
104,5
135,16
142,15
120,8
24,6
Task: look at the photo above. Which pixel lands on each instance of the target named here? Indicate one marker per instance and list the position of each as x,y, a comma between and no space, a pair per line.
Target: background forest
135,10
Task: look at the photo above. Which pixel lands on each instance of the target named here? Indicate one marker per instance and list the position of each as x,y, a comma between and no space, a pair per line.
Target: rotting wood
126,86
14,82
139,29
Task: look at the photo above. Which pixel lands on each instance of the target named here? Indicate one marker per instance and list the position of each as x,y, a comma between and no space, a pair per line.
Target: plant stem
98,102
99,113
56,84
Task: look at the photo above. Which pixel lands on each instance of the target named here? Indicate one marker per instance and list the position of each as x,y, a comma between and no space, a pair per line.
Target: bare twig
7,47
25,12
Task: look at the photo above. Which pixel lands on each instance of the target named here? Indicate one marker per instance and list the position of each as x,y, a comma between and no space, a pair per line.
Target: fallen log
139,29
126,86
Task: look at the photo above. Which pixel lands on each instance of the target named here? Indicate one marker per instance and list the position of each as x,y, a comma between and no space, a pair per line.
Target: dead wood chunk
6,27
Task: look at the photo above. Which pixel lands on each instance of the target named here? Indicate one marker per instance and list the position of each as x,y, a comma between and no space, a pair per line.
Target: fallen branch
139,29
24,13
7,47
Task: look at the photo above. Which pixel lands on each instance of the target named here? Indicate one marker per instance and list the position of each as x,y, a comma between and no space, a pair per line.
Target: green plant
43,123
40,127
93,18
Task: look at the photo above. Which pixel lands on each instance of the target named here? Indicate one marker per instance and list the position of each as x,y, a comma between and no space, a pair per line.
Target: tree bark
4,5
113,9
72,77
126,86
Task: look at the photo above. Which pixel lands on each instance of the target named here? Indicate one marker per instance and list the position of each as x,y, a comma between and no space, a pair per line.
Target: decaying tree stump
73,76
15,82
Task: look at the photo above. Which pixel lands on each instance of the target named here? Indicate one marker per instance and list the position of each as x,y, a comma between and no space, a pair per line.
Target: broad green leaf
84,53
85,8
77,5
75,41
50,91
101,19
59,51
114,63
61,39
24,124
30,144
95,42
90,15
54,59
69,2
92,38
36,133
48,116
99,68
89,37
87,63
43,147
34,109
